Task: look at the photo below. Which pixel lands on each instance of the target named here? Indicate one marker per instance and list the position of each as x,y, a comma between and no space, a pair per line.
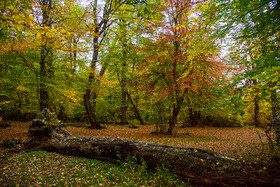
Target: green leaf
264,94
275,79
234,100
240,112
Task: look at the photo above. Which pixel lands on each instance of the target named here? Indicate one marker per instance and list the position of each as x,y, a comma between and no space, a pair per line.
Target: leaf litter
235,141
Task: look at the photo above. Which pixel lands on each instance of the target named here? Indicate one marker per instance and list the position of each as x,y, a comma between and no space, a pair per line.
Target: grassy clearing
52,169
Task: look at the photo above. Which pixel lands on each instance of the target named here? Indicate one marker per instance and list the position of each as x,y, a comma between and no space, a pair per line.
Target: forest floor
237,142
48,169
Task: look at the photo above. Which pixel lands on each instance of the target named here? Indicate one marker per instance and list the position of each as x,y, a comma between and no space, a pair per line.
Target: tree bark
91,80
275,117
137,113
201,166
256,107
175,112
177,95
123,107
123,81
173,119
46,7
98,36
93,122
256,112
101,25
191,118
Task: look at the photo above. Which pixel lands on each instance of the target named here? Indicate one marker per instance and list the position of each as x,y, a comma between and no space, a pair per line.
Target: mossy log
202,166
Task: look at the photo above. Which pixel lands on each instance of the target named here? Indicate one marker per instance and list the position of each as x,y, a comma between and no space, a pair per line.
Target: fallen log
201,166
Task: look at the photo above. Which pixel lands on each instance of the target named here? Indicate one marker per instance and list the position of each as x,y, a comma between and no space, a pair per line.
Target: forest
169,64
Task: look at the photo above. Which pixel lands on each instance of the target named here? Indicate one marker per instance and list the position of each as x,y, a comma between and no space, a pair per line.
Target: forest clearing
234,141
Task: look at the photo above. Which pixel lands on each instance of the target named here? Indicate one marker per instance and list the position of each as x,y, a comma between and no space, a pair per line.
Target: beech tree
101,21
179,55
125,35
46,59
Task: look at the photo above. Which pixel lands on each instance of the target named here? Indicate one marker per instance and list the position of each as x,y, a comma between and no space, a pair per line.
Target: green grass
52,169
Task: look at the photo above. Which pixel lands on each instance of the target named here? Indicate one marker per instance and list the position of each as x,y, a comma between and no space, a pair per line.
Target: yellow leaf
10,7
22,88
5,102
275,88
63,31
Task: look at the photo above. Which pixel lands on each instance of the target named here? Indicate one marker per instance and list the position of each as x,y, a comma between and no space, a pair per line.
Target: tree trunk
61,113
256,107
201,166
173,119
45,59
256,112
92,80
44,94
93,122
137,113
123,107
191,118
123,88
175,112
275,121
197,118
91,95
177,95
101,25
123,76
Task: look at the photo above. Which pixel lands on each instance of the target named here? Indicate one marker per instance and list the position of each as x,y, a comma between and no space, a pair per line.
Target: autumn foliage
167,62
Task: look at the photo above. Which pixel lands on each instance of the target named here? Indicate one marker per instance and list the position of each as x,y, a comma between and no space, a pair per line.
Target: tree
125,35
256,39
18,57
46,52
101,24
180,56
36,40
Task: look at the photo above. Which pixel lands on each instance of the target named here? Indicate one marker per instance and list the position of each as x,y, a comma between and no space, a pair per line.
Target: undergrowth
52,169
265,155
